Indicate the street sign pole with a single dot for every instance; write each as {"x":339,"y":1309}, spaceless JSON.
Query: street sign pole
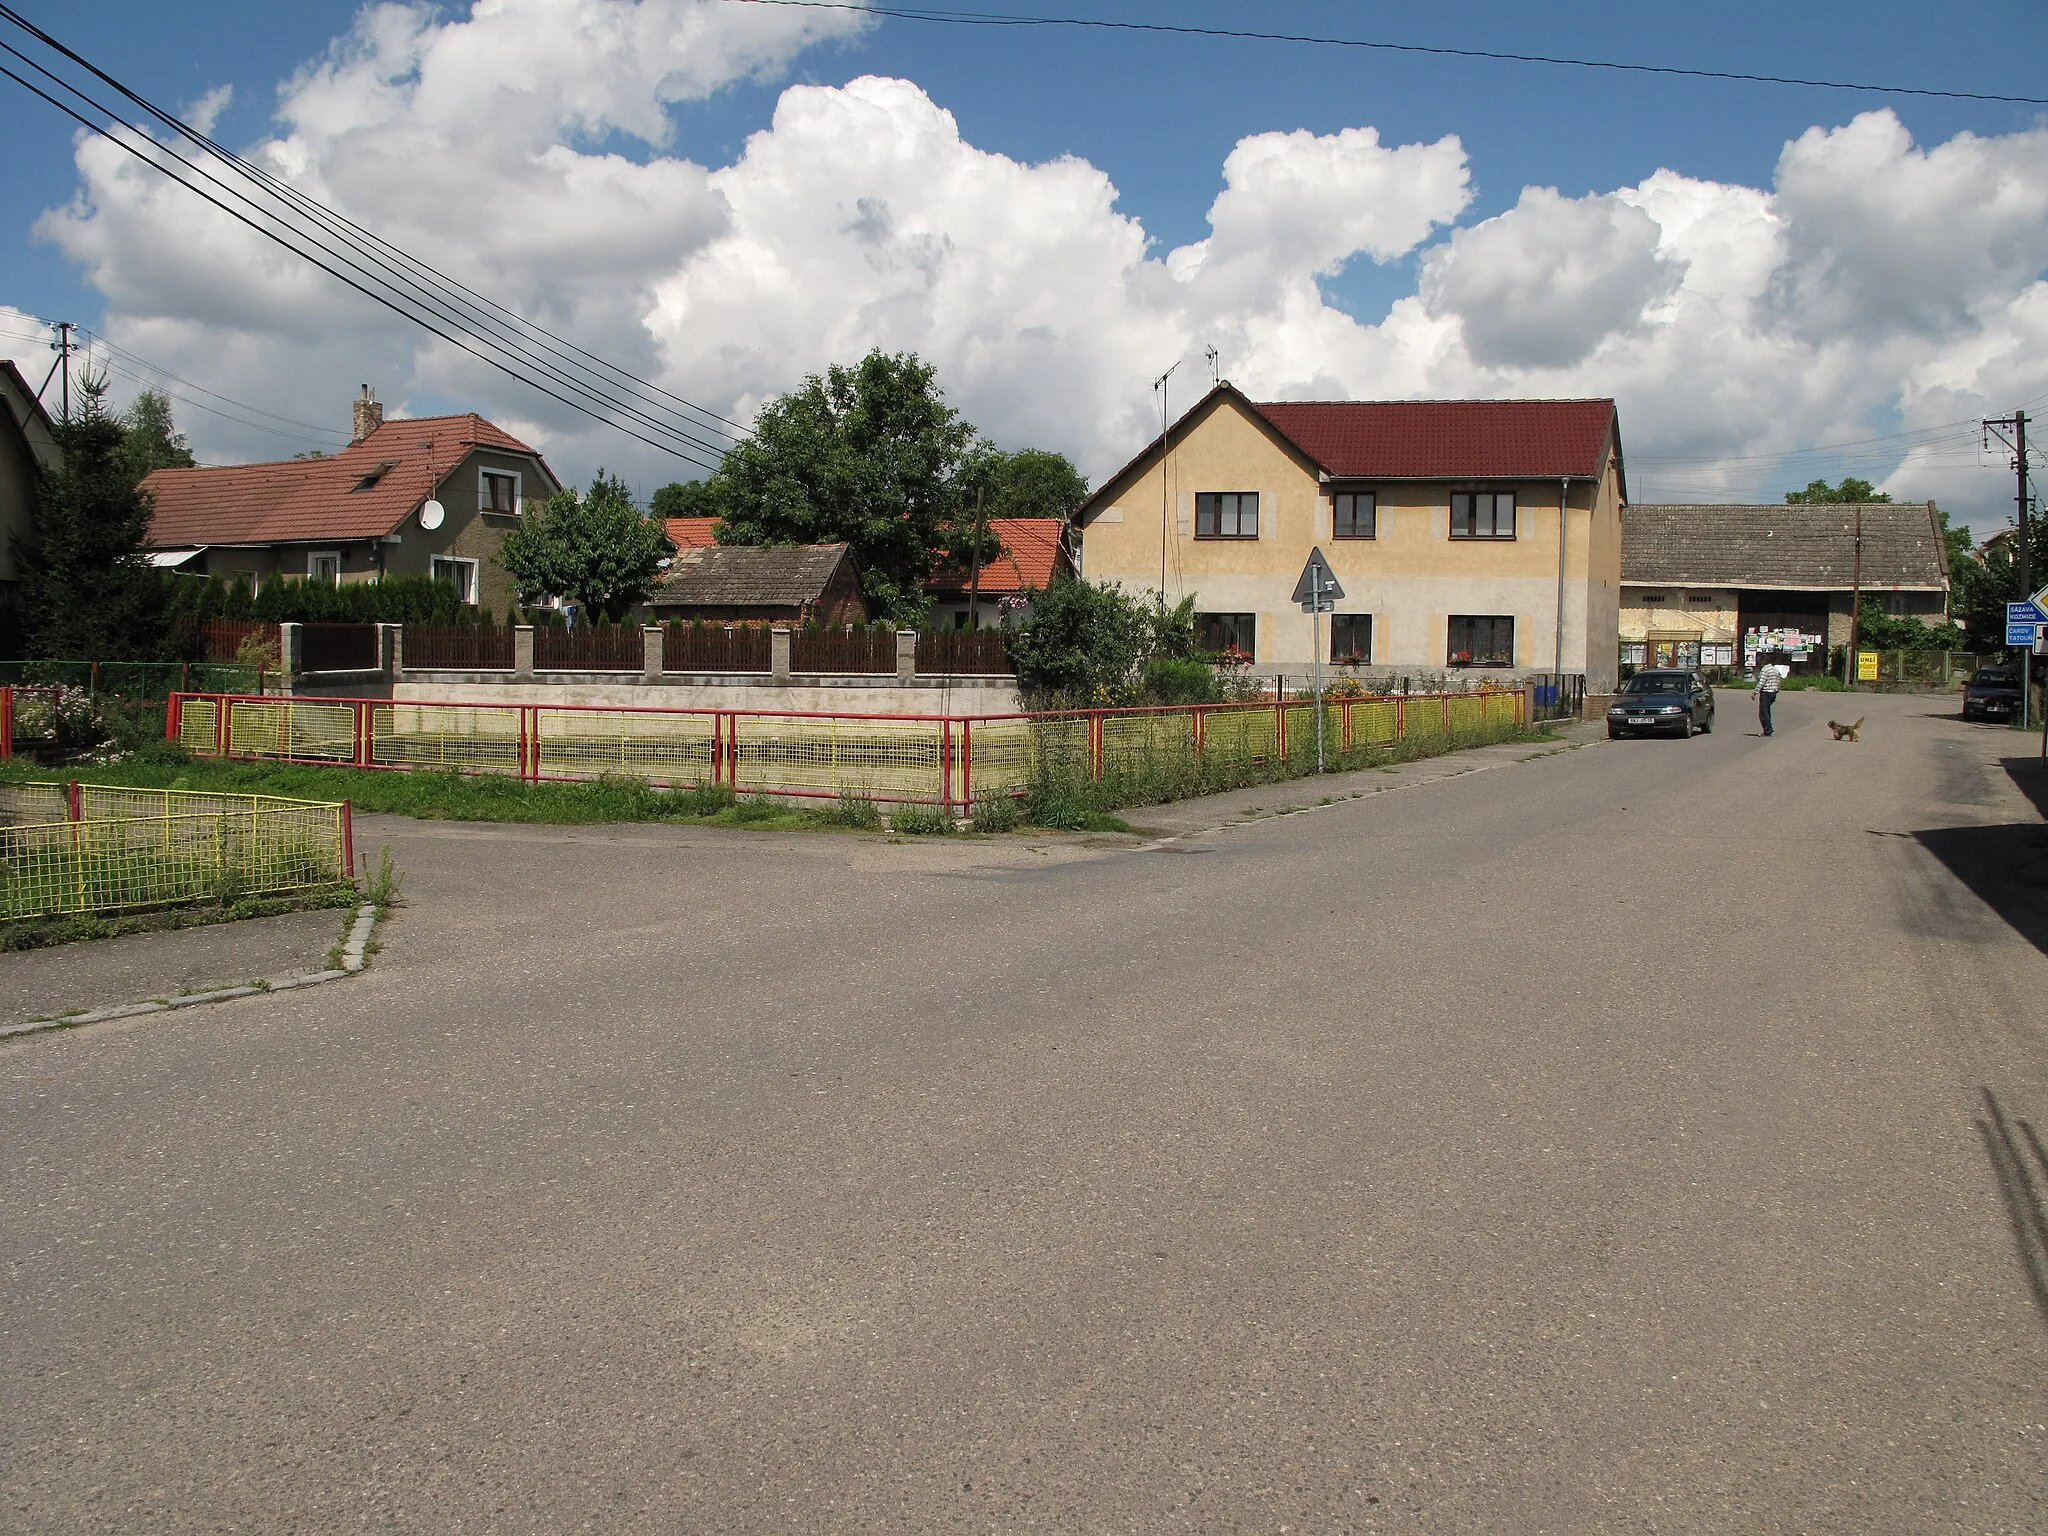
{"x":1315,"y":641}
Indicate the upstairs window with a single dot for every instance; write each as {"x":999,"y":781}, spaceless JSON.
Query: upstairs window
{"x":1354,"y":515}
{"x":1227,"y":514}
{"x":1482,"y":514}
{"x":499,"y":493}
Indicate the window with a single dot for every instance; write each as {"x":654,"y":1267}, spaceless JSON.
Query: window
{"x":1895,"y":604}
{"x":1654,"y":597}
{"x":1482,"y":514}
{"x":459,"y":574}
{"x":1351,"y":639}
{"x":1481,"y":640}
{"x":1229,"y":632}
{"x":499,"y":492}
{"x":324,"y":565}
{"x":369,"y":480}
{"x":1354,"y":515}
{"x":1227,"y":515}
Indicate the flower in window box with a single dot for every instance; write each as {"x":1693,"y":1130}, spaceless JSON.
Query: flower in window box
{"x":1351,"y":659}
{"x":1461,"y":658}
{"x":1231,"y":658}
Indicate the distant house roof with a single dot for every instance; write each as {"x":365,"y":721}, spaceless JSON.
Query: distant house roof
{"x":1415,"y":439}
{"x":750,"y":576}
{"x":1032,"y":554}
{"x":1774,"y":546}
{"x":363,"y":492}
{"x":691,"y":532}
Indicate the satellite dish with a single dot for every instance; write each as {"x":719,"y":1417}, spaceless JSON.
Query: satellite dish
{"x":432,"y":515}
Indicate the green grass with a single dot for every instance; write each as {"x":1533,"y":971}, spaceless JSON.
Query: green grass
{"x":40,"y":933}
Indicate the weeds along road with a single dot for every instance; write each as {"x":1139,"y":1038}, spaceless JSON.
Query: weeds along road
{"x":1640,"y":1137}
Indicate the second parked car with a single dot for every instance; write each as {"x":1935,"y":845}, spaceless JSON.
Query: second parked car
{"x":1661,"y":703}
{"x":1993,"y":693}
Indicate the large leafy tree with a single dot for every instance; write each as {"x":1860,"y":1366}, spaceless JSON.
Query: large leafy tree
{"x":1818,"y":492}
{"x":1087,"y":643}
{"x":1032,"y":482}
{"x":87,"y":590}
{"x":595,"y":550}
{"x":150,"y":438}
{"x":866,"y":456}
{"x":686,"y":498}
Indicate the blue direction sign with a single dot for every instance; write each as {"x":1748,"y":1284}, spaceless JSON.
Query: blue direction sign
{"x":2025,"y":613}
{"x":2021,"y":634}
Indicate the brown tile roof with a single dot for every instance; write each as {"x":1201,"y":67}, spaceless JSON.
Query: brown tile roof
{"x":1448,"y":439}
{"x":313,"y":499}
{"x":750,"y":576}
{"x":1031,"y":555}
{"x":1774,"y":546}
{"x":1415,"y":439}
{"x":691,"y":532}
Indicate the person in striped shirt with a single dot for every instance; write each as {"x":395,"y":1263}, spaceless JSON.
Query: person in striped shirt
{"x":1770,"y":676}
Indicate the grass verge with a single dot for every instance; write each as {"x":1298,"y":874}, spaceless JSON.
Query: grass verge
{"x":41,"y":932}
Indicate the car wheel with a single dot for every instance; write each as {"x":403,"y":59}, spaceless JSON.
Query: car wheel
{"x":1706,"y":725}
{"x":1685,"y":729}
{"x":1614,"y":733}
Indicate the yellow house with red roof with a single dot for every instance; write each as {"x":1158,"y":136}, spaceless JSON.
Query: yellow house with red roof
{"x":421,"y":496}
{"x":1474,"y":536}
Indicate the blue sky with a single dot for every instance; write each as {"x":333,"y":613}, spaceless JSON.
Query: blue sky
{"x":1160,"y":115}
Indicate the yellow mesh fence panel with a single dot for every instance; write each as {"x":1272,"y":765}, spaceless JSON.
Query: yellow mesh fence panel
{"x":1374,"y":723}
{"x":670,"y":749}
{"x":199,"y":727}
{"x":75,"y":867}
{"x":1248,"y":734}
{"x":441,"y":736}
{"x":885,"y":758}
{"x":292,"y":728}
{"x":1133,"y":738}
{"x":26,"y":804}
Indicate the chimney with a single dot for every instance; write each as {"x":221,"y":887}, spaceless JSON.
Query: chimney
{"x":369,"y":414}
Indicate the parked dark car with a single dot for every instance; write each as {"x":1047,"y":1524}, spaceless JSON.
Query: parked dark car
{"x":1661,"y":703}
{"x":1992,"y":693}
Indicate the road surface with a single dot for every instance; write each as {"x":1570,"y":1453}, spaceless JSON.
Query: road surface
{"x":1640,"y":1137}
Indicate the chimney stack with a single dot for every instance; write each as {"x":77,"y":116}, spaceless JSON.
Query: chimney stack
{"x":369,"y":414}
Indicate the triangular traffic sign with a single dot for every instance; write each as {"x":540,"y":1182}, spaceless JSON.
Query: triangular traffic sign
{"x":1317,"y":579}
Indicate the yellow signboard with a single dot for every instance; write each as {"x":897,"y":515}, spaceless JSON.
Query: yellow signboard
{"x":1866,"y":666}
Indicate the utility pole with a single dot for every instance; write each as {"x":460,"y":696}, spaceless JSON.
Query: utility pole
{"x":63,"y":346}
{"x":974,"y":574}
{"x":2017,"y":422}
{"x":1165,"y":496}
{"x":1855,"y":599}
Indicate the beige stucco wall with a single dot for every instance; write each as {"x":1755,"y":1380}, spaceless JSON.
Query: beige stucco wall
{"x":1712,"y":614}
{"x":1411,"y":577}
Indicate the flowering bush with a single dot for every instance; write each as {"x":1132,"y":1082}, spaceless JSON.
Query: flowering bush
{"x":62,"y":715}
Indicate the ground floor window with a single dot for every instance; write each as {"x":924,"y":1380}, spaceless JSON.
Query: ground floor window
{"x":324,"y":565}
{"x":1351,"y":639}
{"x":458,"y":573}
{"x":1481,"y":640}
{"x":1237,"y":632}
{"x":1712,"y":655}
{"x":1632,"y":652}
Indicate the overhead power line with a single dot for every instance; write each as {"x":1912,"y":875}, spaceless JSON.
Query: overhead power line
{"x":382,"y":272}
{"x":1179,"y":29}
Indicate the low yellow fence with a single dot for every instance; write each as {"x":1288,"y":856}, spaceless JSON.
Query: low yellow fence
{"x":77,"y":849}
{"x":941,"y":759}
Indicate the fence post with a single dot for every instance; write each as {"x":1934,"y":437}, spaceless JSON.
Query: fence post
{"x":363,"y":727}
{"x":732,"y":748}
{"x":391,"y":650}
{"x":1348,"y":703}
{"x":650,"y":653}
{"x":522,"y":650}
{"x":967,"y":763}
{"x":348,"y":841}
{"x":291,"y":647}
{"x":74,"y":802}
{"x":946,"y":764}
{"x":174,"y":719}
{"x":906,"y":656}
{"x":1280,"y":720}
{"x":6,"y":722}
{"x":1525,"y":702}
{"x":1201,"y":728}
{"x":778,"y":655}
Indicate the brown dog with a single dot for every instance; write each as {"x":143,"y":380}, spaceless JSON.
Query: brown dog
{"x":1848,"y":731}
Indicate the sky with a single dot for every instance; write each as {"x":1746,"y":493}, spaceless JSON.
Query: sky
{"x":1774,"y":282}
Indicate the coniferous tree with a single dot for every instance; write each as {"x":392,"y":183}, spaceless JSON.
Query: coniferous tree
{"x":88,"y":592}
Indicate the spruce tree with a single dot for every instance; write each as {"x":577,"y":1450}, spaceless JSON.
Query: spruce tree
{"x":88,"y":592}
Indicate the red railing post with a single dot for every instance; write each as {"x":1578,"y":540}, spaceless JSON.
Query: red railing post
{"x":174,"y":717}
{"x":1280,"y":720}
{"x":348,"y":840}
{"x":1446,"y":701}
{"x":1347,"y":723}
{"x":6,"y":722}
{"x":532,"y":713}
{"x":732,"y":750}
{"x":946,"y":762}
{"x":362,"y":735}
{"x":1201,"y":730}
{"x":1095,"y":744}
{"x":967,"y":762}
{"x":221,"y":735}
{"x":74,"y":802}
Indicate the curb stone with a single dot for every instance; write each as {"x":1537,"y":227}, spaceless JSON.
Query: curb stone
{"x":353,"y":959}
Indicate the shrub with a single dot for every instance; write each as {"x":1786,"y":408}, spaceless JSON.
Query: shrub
{"x":855,"y":811}
{"x":1180,"y":680}
{"x":920,"y":821}
{"x":756,"y":808}
{"x":994,"y":811}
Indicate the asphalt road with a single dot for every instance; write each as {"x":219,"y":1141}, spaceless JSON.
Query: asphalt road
{"x":1641,"y":1137}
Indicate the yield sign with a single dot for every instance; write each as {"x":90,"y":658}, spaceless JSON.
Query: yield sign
{"x":1318,"y":582}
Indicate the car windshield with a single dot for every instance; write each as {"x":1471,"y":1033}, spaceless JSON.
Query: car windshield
{"x":1996,"y":677}
{"x":1658,"y":682}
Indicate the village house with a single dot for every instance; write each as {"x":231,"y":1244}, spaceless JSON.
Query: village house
{"x":28,"y":445}
{"x":1482,"y":536}
{"x":1716,"y":585}
{"x":766,"y":584}
{"x":424,"y":496}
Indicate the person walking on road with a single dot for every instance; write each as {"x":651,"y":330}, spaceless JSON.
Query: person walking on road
{"x":1770,"y":676}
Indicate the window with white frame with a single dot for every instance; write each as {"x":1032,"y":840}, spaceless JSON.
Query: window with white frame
{"x":324,"y":565}
{"x":1482,"y":514}
{"x":459,"y":573}
{"x":1226,"y":514}
{"x":498,"y":492}
{"x":1354,"y":515}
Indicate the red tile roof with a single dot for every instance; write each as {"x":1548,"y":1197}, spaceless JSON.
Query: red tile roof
{"x":691,"y":532}
{"x":315,"y":499}
{"x":1444,"y":439}
{"x":1031,"y":554}
{"x":1415,"y":439}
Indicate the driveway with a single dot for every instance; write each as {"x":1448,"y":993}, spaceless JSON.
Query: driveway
{"x":1643,"y":1136}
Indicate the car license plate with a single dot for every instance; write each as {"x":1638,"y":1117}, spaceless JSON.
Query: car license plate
{"x":1642,"y":719}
